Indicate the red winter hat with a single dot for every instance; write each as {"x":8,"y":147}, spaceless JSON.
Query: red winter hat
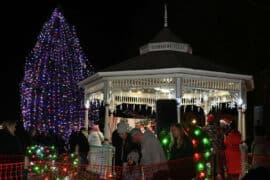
{"x":210,"y":118}
{"x":225,"y":120}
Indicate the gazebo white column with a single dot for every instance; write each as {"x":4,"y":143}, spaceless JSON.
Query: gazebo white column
{"x":244,"y":96}
{"x":242,"y":127}
{"x":178,"y":94}
{"x":239,"y":109}
{"x":239,"y":123}
{"x":241,"y":106}
{"x":86,"y":120}
{"x":107,"y":104}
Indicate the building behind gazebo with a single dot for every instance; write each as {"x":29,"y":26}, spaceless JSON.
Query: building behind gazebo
{"x":166,"y":69}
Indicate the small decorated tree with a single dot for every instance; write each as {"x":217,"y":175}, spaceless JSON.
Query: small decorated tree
{"x":45,"y":162}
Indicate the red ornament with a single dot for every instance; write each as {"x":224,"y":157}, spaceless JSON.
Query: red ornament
{"x":197,"y":156}
{"x":47,"y":151}
{"x":202,"y":175}
{"x":195,"y":142}
{"x":64,"y":170}
{"x":109,"y":176}
{"x":210,"y":118}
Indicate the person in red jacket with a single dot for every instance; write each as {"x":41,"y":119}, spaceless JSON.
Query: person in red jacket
{"x":232,"y":152}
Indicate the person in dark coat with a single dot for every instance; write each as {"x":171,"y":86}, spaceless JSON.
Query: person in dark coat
{"x":127,"y":145}
{"x":181,"y":146}
{"x":181,"y":152}
{"x":23,"y":136}
{"x":60,"y":144}
{"x":116,"y":142}
{"x":128,"y":152}
{"x":82,"y":146}
{"x":72,"y":141}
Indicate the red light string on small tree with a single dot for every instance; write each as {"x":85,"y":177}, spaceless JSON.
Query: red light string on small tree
{"x":202,"y":152}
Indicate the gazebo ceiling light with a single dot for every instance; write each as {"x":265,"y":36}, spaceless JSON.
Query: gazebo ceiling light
{"x":164,"y":90}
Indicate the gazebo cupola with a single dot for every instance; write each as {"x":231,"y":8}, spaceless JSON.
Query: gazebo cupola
{"x":166,"y":40}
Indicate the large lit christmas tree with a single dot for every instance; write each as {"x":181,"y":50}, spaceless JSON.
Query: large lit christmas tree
{"x":50,"y":97}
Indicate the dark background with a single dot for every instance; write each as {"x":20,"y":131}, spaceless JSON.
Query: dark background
{"x":235,"y":33}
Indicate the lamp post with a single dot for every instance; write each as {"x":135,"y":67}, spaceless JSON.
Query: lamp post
{"x":86,"y":120}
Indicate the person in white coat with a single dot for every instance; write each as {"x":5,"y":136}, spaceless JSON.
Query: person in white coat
{"x":95,"y":137}
{"x":95,"y":140}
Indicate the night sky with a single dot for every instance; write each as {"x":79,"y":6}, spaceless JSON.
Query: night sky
{"x":235,"y":33}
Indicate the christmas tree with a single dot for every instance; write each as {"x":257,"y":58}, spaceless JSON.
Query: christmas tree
{"x":50,"y":97}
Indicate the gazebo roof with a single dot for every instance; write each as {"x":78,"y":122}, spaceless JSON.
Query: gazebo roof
{"x":167,"y":59}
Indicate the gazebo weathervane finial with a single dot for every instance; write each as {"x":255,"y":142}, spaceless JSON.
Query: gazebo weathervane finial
{"x":165,"y":16}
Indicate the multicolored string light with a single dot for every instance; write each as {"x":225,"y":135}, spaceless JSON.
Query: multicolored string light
{"x":202,"y":152}
{"x":45,"y":160}
{"x":38,"y":156}
{"x":165,"y":140}
{"x":50,"y":96}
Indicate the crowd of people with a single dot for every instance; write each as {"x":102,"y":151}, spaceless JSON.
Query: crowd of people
{"x":226,"y":142}
{"x":134,"y":147}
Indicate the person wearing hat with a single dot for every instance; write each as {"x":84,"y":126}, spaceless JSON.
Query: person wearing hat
{"x":151,"y":149}
{"x":232,"y":152}
{"x":129,"y":153}
{"x":225,"y":125}
{"x":151,"y":153}
{"x":127,"y":146}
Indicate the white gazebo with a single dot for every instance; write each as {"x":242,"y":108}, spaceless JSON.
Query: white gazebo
{"x":166,"y":69}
